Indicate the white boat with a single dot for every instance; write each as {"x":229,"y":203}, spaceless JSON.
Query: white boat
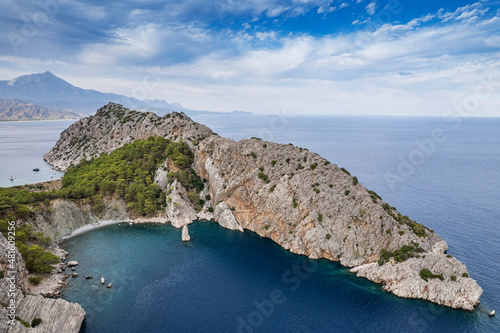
{"x":11,"y":178}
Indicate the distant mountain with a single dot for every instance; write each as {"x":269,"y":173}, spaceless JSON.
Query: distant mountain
{"x":14,"y":109}
{"x":50,"y":91}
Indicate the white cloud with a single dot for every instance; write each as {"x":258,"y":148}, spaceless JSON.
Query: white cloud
{"x":371,"y":7}
{"x":257,"y":70}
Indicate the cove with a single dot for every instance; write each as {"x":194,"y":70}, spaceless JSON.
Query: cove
{"x":228,"y":281}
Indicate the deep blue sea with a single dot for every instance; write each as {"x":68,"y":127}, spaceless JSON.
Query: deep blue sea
{"x":442,"y":174}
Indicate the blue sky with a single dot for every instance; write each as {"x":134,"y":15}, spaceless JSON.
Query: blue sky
{"x":395,"y":57}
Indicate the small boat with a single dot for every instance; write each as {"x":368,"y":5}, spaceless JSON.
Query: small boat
{"x":36,"y":169}
{"x":11,"y":178}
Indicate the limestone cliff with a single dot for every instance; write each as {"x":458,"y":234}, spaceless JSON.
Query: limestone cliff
{"x":57,"y":315}
{"x":295,"y":197}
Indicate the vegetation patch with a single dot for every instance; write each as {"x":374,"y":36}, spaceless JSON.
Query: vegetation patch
{"x":417,"y":228}
{"x":35,"y":280}
{"x":426,"y":274}
{"x":345,"y":171}
{"x":24,"y":322}
{"x":405,"y":252}
{"x":374,"y":196}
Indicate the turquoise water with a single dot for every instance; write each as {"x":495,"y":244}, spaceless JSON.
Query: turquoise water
{"x":164,"y":285}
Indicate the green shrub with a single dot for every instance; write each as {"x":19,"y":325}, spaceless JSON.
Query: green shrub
{"x":35,"y":280}
{"x":320,"y":217}
{"x":453,"y":278}
{"x":465,"y":275}
{"x":264,"y":177}
{"x":273,"y":162}
{"x":313,"y":166}
{"x":24,"y":322}
{"x":328,"y":236}
{"x":287,"y":160}
{"x":211,"y":209}
{"x":405,"y":252}
{"x":195,"y":200}
{"x":354,"y":180}
{"x":401,"y":232}
{"x":39,"y":261}
{"x":347,"y":172}
{"x":388,"y":231}
{"x":253,"y":155}
{"x":426,"y":274}
{"x":266,"y":227}
{"x":2,"y":274}
{"x":272,"y":188}
{"x":36,"y":321}
{"x":347,"y":192}
{"x":295,"y":205}
{"x":264,"y":145}
{"x":362,"y":212}
{"x":449,"y":256}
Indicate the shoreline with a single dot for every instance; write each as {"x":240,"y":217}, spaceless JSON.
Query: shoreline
{"x":105,"y":223}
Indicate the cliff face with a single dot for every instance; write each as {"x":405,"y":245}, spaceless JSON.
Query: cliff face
{"x":57,"y":315}
{"x":295,"y":197}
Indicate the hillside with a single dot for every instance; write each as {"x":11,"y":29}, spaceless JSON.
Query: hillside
{"x":14,"y":109}
{"x":295,"y":197}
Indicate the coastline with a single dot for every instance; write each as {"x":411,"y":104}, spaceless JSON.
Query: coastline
{"x":105,"y":223}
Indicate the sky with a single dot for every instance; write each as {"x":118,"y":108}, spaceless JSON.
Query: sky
{"x":350,"y":57}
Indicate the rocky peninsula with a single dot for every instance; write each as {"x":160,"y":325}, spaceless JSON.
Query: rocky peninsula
{"x":295,"y":197}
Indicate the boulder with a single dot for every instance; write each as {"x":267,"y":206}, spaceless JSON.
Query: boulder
{"x":109,"y":285}
{"x":74,"y":275}
{"x":102,"y":280}
{"x":492,"y":313}
{"x":73,"y":263}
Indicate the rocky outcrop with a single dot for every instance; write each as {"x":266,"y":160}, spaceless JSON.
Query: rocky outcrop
{"x":57,"y":315}
{"x":288,"y":194}
{"x":185,"y":234}
{"x":112,"y":127}
{"x":456,"y":290}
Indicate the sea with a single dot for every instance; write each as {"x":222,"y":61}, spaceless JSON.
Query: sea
{"x":443,"y":173}
{"x":22,"y":146}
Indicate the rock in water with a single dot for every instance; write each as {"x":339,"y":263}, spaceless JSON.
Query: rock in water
{"x":74,"y":274}
{"x":73,"y":269}
{"x":102,"y":280}
{"x":109,"y":285}
{"x":492,"y":313}
{"x":73,"y":263}
{"x":89,"y":277}
{"x":185,"y":234}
